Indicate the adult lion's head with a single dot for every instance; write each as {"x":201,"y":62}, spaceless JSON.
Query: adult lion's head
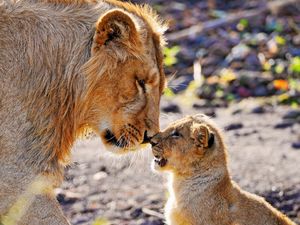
{"x":125,"y":76}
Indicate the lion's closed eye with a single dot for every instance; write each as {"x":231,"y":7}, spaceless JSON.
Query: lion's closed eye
{"x":141,"y":83}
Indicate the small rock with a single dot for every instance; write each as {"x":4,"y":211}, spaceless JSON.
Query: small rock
{"x":209,"y":70}
{"x":284,"y":124}
{"x":234,"y":126}
{"x":200,"y":104}
{"x":260,"y":91}
{"x":296,"y":39}
{"x":252,"y":62}
{"x":210,"y":112}
{"x":206,"y":92}
{"x":272,"y":46}
{"x":171,"y":108}
{"x":78,"y":207}
{"x":99,"y":175}
{"x":123,"y":206}
{"x":67,"y":197}
{"x":261,"y":38}
{"x":239,"y":52}
{"x":258,"y":110}
{"x":292,"y":114}
{"x":287,"y":206}
{"x":82,"y":219}
{"x":294,"y":51}
{"x":236,"y":65}
{"x":209,"y":61}
{"x":243,"y":92}
{"x":153,"y":222}
{"x":220,"y":49}
{"x":296,"y":145}
{"x":237,"y":111}
{"x":136,"y":213}
{"x":79,"y":180}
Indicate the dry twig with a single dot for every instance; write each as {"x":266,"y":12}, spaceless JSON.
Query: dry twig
{"x":273,"y":7}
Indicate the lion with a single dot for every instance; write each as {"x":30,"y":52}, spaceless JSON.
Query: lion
{"x":67,"y":67}
{"x":201,"y":190}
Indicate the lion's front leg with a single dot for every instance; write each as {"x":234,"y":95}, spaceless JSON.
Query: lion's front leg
{"x":45,"y":210}
{"x":35,"y":205}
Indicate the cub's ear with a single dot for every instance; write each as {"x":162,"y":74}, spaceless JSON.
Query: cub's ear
{"x":116,"y":27}
{"x":202,"y":136}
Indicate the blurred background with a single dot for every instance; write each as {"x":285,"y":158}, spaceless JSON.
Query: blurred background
{"x":236,"y":61}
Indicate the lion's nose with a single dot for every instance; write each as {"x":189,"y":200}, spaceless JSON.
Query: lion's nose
{"x":146,"y":138}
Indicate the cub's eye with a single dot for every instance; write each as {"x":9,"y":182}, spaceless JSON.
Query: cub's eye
{"x":175,"y":134}
{"x":142,"y":84}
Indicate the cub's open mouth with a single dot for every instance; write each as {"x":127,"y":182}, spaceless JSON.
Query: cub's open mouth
{"x":160,"y":161}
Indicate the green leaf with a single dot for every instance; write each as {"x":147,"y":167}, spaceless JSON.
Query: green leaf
{"x":242,"y":25}
{"x":278,"y":27}
{"x":193,"y":85}
{"x":295,"y":65}
{"x":169,"y":61}
{"x":230,"y":97}
{"x":101,"y":221}
{"x":267,"y":66}
{"x":279,"y":68}
{"x":294,"y":105}
{"x":294,"y":84}
{"x":283,"y":97}
{"x":219,"y":93}
{"x":244,"y":22}
{"x":170,"y":55}
{"x":280,"y":40}
{"x":168,"y":92}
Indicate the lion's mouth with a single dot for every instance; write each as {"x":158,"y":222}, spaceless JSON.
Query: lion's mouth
{"x":160,"y":161}
{"x":111,"y":139}
{"x":122,"y":142}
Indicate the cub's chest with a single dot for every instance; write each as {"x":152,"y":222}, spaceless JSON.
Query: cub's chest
{"x":176,"y":216}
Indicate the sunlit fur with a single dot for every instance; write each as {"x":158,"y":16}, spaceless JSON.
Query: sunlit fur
{"x":67,"y":67}
{"x":201,"y":191}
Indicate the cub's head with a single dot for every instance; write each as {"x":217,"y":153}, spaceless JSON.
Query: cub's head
{"x":125,"y":77}
{"x":188,"y":145}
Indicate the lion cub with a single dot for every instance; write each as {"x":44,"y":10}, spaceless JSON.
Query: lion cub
{"x":201,"y":190}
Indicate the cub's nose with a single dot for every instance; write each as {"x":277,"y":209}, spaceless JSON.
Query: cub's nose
{"x":154,"y":140}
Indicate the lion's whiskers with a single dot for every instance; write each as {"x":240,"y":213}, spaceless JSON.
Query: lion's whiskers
{"x":164,"y":115}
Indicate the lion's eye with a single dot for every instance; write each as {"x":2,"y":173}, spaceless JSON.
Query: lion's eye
{"x":142,"y":84}
{"x":175,"y":134}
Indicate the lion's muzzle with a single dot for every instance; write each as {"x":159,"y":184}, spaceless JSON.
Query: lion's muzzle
{"x":111,"y":139}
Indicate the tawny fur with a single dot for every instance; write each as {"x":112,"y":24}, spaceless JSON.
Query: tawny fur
{"x":67,"y":66}
{"x":201,"y":191}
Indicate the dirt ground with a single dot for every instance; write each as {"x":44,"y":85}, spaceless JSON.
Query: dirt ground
{"x":264,"y":159}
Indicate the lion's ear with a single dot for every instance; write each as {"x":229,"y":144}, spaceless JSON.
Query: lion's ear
{"x":116,"y":27}
{"x":202,"y":136}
